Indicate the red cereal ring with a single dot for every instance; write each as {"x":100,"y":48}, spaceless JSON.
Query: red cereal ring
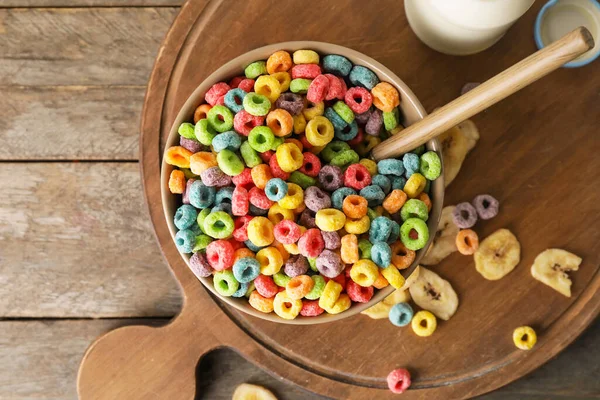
{"x":265,"y":286}
{"x":243,"y":122}
{"x":240,"y":231}
{"x":287,"y":232}
{"x":235,"y":244}
{"x":219,"y":254}
{"x":215,"y":92}
{"x":276,"y":170}
{"x":305,"y":142}
{"x":341,"y":279}
{"x":310,"y":308}
{"x":235,"y":81}
{"x":337,"y":88}
{"x":240,"y":201}
{"x":266,"y":155}
{"x":244,"y":179}
{"x":318,"y":89}
{"x":306,"y":71}
{"x":311,"y":243}
{"x":357,"y":177}
{"x":398,"y":380}
{"x":247,"y":85}
{"x":259,"y":199}
{"x":358,"y":293}
{"x":358,"y":138}
{"x":311,"y":165}
{"x":358,"y":99}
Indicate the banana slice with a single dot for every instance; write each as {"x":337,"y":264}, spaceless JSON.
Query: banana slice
{"x":456,"y":144}
{"x":411,"y":279}
{"x":497,"y":255}
{"x":551,"y":266}
{"x":444,"y":242}
{"x":433,"y":293}
{"x":246,"y":391}
{"x":382,"y":309}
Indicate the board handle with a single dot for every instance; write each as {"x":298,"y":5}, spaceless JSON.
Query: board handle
{"x":532,"y":68}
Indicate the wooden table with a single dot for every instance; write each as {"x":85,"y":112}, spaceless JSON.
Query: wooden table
{"x":77,"y":253}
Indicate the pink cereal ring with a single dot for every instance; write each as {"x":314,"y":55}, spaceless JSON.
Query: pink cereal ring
{"x":358,"y":138}
{"x":219,"y":254}
{"x":398,"y":380}
{"x":311,"y":165}
{"x":318,"y":89}
{"x":244,"y":122}
{"x":247,"y":85}
{"x":358,"y":99}
{"x":358,"y":293}
{"x":215,"y":92}
{"x":259,"y":199}
{"x":311,"y":243}
{"x":357,"y":177}
{"x":235,"y":81}
{"x":337,"y":88}
{"x":276,"y":170}
{"x":287,"y":232}
{"x":240,"y":201}
{"x":244,"y":179}
{"x":265,"y":286}
{"x":240,"y":231}
{"x":310,"y":308}
{"x":306,"y":71}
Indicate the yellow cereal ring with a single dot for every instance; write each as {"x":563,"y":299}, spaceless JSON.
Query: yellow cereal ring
{"x":202,"y":161}
{"x":268,"y":86}
{"x":284,"y":253}
{"x":299,"y":124}
{"x":316,"y":149}
{"x":364,"y":272}
{"x":424,"y":323}
{"x":177,"y":182}
{"x":277,"y":214}
{"x":330,"y":219}
{"x":286,"y":307}
{"x":349,"y":249}
{"x":358,"y":226}
{"x":293,"y":198}
{"x":524,"y":337}
{"x":393,"y":276}
{"x":330,"y":294}
{"x":296,"y":142}
{"x":305,"y":57}
{"x":342,"y":304}
{"x":178,"y":156}
{"x":292,"y":248}
{"x":260,"y":303}
{"x":289,"y":157}
{"x":368,"y":143}
{"x":370,"y":165}
{"x":415,"y":185}
{"x":260,"y":231}
{"x":284,"y":80}
{"x":313,"y":110}
{"x":319,"y":131}
{"x":270,"y":260}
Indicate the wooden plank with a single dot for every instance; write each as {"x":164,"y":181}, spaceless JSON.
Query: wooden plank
{"x":81,"y":46}
{"x":90,"y":3}
{"x":70,"y":122}
{"x":76,"y":241}
{"x":44,"y":358}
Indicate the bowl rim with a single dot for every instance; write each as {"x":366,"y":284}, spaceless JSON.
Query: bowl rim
{"x":261,"y":53}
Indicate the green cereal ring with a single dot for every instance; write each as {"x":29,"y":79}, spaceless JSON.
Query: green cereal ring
{"x":344,"y":111}
{"x":281,"y":279}
{"x":318,"y":287}
{"x":218,"y":225}
{"x":229,"y":162}
{"x":372,"y":214}
{"x":300,"y":85}
{"x":345,"y":158}
{"x":256,"y":104}
{"x":251,"y":288}
{"x":256,"y":69}
{"x":201,"y":242}
{"x":205,"y":133}
{"x":419,"y":150}
{"x":189,"y":174}
{"x":391,"y":119}
{"x":364,"y":249}
{"x":225,"y":283}
{"x":220,"y":118}
{"x":186,"y":130}
{"x":250,"y":156}
{"x":277,"y":142}
{"x":302,"y":180}
{"x":201,"y":217}
{"x":431,"y":166}
{"x":312,"y":263}
{"x":420,"y":227}
{"x":427,"y":186}
{"x":414,"y":208}
{"x":332,"y":149}
{"x":261,"y":138}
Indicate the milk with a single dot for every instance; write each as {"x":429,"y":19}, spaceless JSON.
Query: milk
{"x":461,"y":27}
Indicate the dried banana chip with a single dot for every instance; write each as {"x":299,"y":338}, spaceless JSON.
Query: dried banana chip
{"x":246,"y":391}
{"x":382,"y":309}
{"x":435,"y":294}
{"x":444,"y":242}
{"x":456,"y":144}
{"x":497,"y":255}
{"x":551,"y":266}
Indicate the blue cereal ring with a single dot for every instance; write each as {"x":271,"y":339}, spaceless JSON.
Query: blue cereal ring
{"x":337,"y":65}
{"x":201,"y":196}
{"x":335,"y":119}
{"x":381,"y":254}
{"x":337,"y":198}
{"x":227,"y":140}
{"x":224,"y":195}
{"x":234,"y":100}
{"x":222,"y":207}
{"x":363,"y":76}
{"x":401,"y":314}
{"x":380,"y":229}
{"x":347,"y":133}
{"x":246,"y":269}
{"x":185,"y":240}
{"x":390,"y":166}
{"x":383,"y":182}
{"x":398,"y":182}
{"x":411,"y":163}
{"x":185,"y":216}
{"x":276,"y":189}
{"x":252,"y":246}
{"x":374,"y":195}
{"x":241,"y":290}
{"x":256,"y":211}
{"x":394,"y":233}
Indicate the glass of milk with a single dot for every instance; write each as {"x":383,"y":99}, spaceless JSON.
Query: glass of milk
{"x":462,"y":27}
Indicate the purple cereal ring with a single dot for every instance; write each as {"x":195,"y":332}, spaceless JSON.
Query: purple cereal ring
{"x":296,"y":265}
{"x":307,"y":219}
{"x":199,"y":265}
{"x":316,"y":199}
{"x":332,"y":240}
{"x":291,"y":102}
{"x":464,"y":215}
{"x":192,"y":145}
{"x":331,"y":177}
{"x":329,"y":264}
{"x":215,"y":177}
{"x":363,"y":118}
{"x":374,"y":123}
{"x":486,"y":206}
{"x":186,"y":197}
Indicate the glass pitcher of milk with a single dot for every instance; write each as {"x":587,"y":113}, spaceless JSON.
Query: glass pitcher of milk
{"x":461,"y":27}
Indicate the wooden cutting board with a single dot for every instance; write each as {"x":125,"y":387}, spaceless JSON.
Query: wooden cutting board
{"x":537,"y":154}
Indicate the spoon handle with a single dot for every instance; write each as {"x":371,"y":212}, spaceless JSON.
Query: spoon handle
{"x":488,"y":93}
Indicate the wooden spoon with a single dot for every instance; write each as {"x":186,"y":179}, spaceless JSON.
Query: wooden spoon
{"x":537,"y":65}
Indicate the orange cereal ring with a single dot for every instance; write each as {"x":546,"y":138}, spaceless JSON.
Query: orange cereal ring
{"x":467,"y":241}
{"x":241,"y":253}
{"x":178,"y":156}
{"x":296,"y":142}
{"x":280,"y":61}
{"x":299,"y":286}
{"x":261,"y":303}
{"x":355,"y":206}
{"x":380,"y":282}
{"x":394,"y":201}
{"x":201,"y":161}
{"x":201,"y":112}
{"x":281,"y":122}
{"x":385,"y":97}
{"x":402,"y":257}
{"x":424,"y":197}
{"x":177,"y":181}
{"x":349,"y":249}
{"x":261,"y":174}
